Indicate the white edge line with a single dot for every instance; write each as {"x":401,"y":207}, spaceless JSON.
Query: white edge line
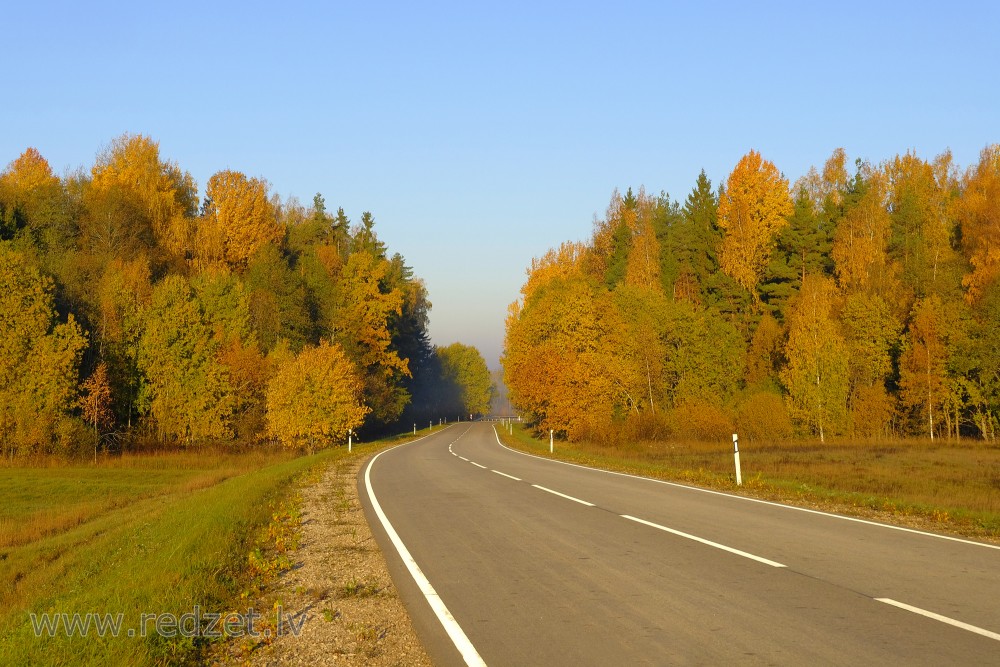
{"x":702,"y":540}
{"x":478,"y":465}
{"x":462,"y":457}
{"x":563,"y":495}
{"x":754,"y":500}
{"x":516,"y":479}
{"x":451,"y":626}
{"x":938,"y":617}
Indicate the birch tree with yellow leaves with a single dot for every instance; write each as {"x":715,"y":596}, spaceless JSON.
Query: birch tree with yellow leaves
{"x":753,"y":208}
{"x":861,"y":239}
{"x":979,"y":216}
{"x":816,"y":376}
{"x":238,"y":219}
{"x":166,"y":195}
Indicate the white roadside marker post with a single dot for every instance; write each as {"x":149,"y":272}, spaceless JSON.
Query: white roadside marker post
{"x":414,"y":429}
{"x":550,"y":440}
{"x":736,"y":457}
{"x":348,"y":441}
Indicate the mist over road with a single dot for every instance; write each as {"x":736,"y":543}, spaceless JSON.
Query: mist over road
{"x":541,"y":562}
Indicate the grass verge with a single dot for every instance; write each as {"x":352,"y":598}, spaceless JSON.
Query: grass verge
{"x":137,"y":541}
{"x":954,"y":487}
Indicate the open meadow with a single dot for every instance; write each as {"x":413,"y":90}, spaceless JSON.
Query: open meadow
{"x":945,"y":486}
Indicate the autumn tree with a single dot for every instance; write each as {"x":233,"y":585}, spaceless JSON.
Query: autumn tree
{"x":642,"y":266}
{"x":752,"y":210}
{"x":861,"y":239}
{"x":314,"y":399}
{"x":33,"y":199}
{"x":123,"y":295}
{"x":463,"y":367}
{"x":637,"y":349}
{"x":556,"y":362}
{"x":871,"y":335}
{"x":238,"y":219}
{"x":95,"y":401}
{"x":979,"y":215}
{"x":279,"y":301}
{"x":95,"y":398}
{"x":765,"y":354}
{"x":131,"y":166}
{"x":225,"y":301}
{"x":187,"y":390}
{"x":923,"y":365}
{"x":816,"y":376}
{"x":923,"y":223}
{"x":361,"y":326}
{"x":39,"y":356}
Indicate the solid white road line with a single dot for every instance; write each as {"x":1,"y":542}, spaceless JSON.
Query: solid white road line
{"x":451,"y":626}
{"x":703,"y":541}
{"x":516,"y":479}
{"x":563,"y":495}
{"x":944,"y":619}
{"x":478,"y":465}
{"x":752,"y":500}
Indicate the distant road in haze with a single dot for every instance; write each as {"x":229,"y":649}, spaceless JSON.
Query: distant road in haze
{"x":543,"y":563}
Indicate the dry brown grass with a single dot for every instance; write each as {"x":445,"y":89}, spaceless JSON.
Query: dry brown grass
{"x":946,"y":485}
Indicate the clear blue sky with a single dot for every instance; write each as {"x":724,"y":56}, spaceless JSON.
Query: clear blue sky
{"x":481,"y":135}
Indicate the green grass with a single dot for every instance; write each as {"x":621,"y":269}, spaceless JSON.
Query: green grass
{"x":951,"y":486}
{"x":150,"y":534}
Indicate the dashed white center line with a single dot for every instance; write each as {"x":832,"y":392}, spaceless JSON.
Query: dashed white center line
{"x":943,"y":619}
{"x":703,"y":541}
{"x":516,"y":479}
{"x":563,"y":495}
{"x":462,"y":457}
{"x":477,"y":465}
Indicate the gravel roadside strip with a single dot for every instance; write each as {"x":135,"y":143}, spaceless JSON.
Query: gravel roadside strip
{"x":339,"y":585}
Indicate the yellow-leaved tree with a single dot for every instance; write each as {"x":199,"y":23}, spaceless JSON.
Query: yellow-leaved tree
{"x":923,"y":364}
{"x":28,"y":173}
{"x":363,"y":312}
{"x":817,"y":372}
{"x":130,"y":170}
{"x":752,"y":210}
{"x":314,"y":400}
{"x":861,"y":238}
{"x":979,"y":215}
{"x":465,"y":373}
{"x":238,"y":219}
{"x":39,"y":357}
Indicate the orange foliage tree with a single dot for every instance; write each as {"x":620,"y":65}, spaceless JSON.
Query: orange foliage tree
{"x":239,"y":219}
{"x":752,"y":210}
{"x":979,"y":215}
{"x":168,"y":196}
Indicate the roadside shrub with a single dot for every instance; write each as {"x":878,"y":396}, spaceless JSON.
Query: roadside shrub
{"x":74,"y":439}
{"x":871,"y":411}
{"x":763,"y":415}
{"x":700,"y":420}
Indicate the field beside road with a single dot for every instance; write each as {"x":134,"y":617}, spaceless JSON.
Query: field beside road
{"x":141,"y":540}
{"x":942,"y":485}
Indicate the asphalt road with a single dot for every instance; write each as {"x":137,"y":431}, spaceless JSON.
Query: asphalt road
{"x":540,"y":562}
